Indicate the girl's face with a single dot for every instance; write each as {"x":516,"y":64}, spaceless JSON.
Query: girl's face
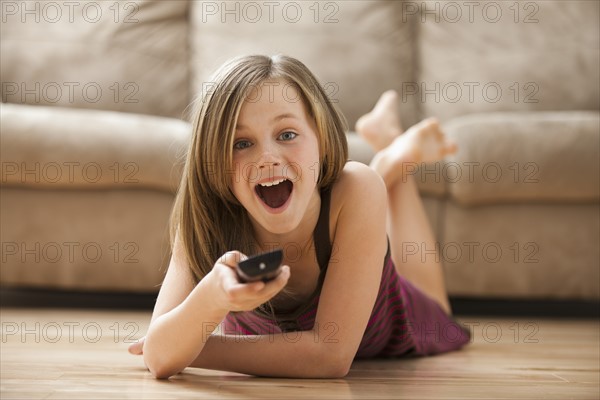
{"x":275,"y":157}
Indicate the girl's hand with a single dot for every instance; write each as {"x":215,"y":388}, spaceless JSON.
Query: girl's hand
{"x":232,"y":295}
{"x":137,"y":348}
{"x":229,"y":293}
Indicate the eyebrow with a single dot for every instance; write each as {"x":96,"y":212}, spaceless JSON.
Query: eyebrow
{"x":277,"y":118}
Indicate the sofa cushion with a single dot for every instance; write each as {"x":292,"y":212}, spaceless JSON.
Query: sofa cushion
{"x":109,"y":240}
{"x":357,"y":49}
{"x":522,"y":251}
{"x":55,"y":147}
{"x":524,"y":157}
{"x":507,"y":56}
{"x":122,"y":56}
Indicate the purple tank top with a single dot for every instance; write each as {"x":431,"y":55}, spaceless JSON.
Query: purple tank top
{"x":404,"y":321}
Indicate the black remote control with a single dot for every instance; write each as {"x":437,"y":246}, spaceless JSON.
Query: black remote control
{"x":261,"y":267}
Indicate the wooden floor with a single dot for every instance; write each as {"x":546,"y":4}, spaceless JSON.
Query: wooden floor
{"x":67,"y":354}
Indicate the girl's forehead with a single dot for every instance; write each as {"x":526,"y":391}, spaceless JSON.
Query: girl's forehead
{"x":270,"y":100}
{"x":272,"y":90}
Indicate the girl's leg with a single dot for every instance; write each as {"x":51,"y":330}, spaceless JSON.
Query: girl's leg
{"x":407,"y":224}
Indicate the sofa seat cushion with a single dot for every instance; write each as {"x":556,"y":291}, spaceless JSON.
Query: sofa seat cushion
{"x":108,"y":240}
{"x":522,"y":251}
{"x":55,"y":147}
{"x":524,"y":157}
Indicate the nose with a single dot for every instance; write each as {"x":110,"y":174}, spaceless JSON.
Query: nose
{"x":269,"y":158}
{"x":268,"y":164}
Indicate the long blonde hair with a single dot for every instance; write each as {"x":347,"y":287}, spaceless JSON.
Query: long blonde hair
{"x":207,"y":218}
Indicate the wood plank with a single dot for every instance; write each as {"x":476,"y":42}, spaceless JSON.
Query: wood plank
{"x":63,"y":353}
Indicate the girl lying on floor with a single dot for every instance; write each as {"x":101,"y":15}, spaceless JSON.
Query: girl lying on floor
{"x":268,"y":168}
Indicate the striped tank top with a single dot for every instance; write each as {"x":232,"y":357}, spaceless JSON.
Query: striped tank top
{"x":404,"y":321}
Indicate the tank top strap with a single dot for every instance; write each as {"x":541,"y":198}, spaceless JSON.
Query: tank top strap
{"x":321,"y":232}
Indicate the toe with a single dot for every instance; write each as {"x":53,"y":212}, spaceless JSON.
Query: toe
{"x":450,"y":147}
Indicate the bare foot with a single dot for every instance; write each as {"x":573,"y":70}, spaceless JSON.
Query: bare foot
{"x":422,"y":143}
{"x":382,"y":125}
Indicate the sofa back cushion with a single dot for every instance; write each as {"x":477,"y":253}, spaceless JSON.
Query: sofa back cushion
{"x":506,"y":56}
{"x":122,"y":56}
{"x":356,"y":49}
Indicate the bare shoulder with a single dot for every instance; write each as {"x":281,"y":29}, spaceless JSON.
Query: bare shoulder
{"x":358,"y":186}
{"x":359,"y":190}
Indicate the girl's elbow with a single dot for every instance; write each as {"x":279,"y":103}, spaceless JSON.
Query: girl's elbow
{"x":160,"y":369}
{"x":337,"y":372}
{"x":159,"y":374}
{"x":334,"y":365}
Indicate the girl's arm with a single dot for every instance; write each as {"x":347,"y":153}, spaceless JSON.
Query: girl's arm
{"x":185,"y":315}
{"x":346,"y":302}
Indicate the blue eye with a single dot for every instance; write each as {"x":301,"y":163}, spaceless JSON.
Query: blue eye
{"x":288,"y":135}
{"x":242,"y":144}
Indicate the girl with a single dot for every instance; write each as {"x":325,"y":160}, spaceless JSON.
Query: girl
{"x":267,"y":168}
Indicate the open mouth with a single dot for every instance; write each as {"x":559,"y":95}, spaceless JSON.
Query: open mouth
{"x":274,"y":194}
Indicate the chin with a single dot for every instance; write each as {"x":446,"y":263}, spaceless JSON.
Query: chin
{"x":278,"y":223}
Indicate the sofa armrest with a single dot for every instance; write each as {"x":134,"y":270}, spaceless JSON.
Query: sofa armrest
{"x":519,"y":157}
{"x":55,"y":147}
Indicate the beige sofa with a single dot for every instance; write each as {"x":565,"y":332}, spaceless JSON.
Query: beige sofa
{"x":95,"y":101}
